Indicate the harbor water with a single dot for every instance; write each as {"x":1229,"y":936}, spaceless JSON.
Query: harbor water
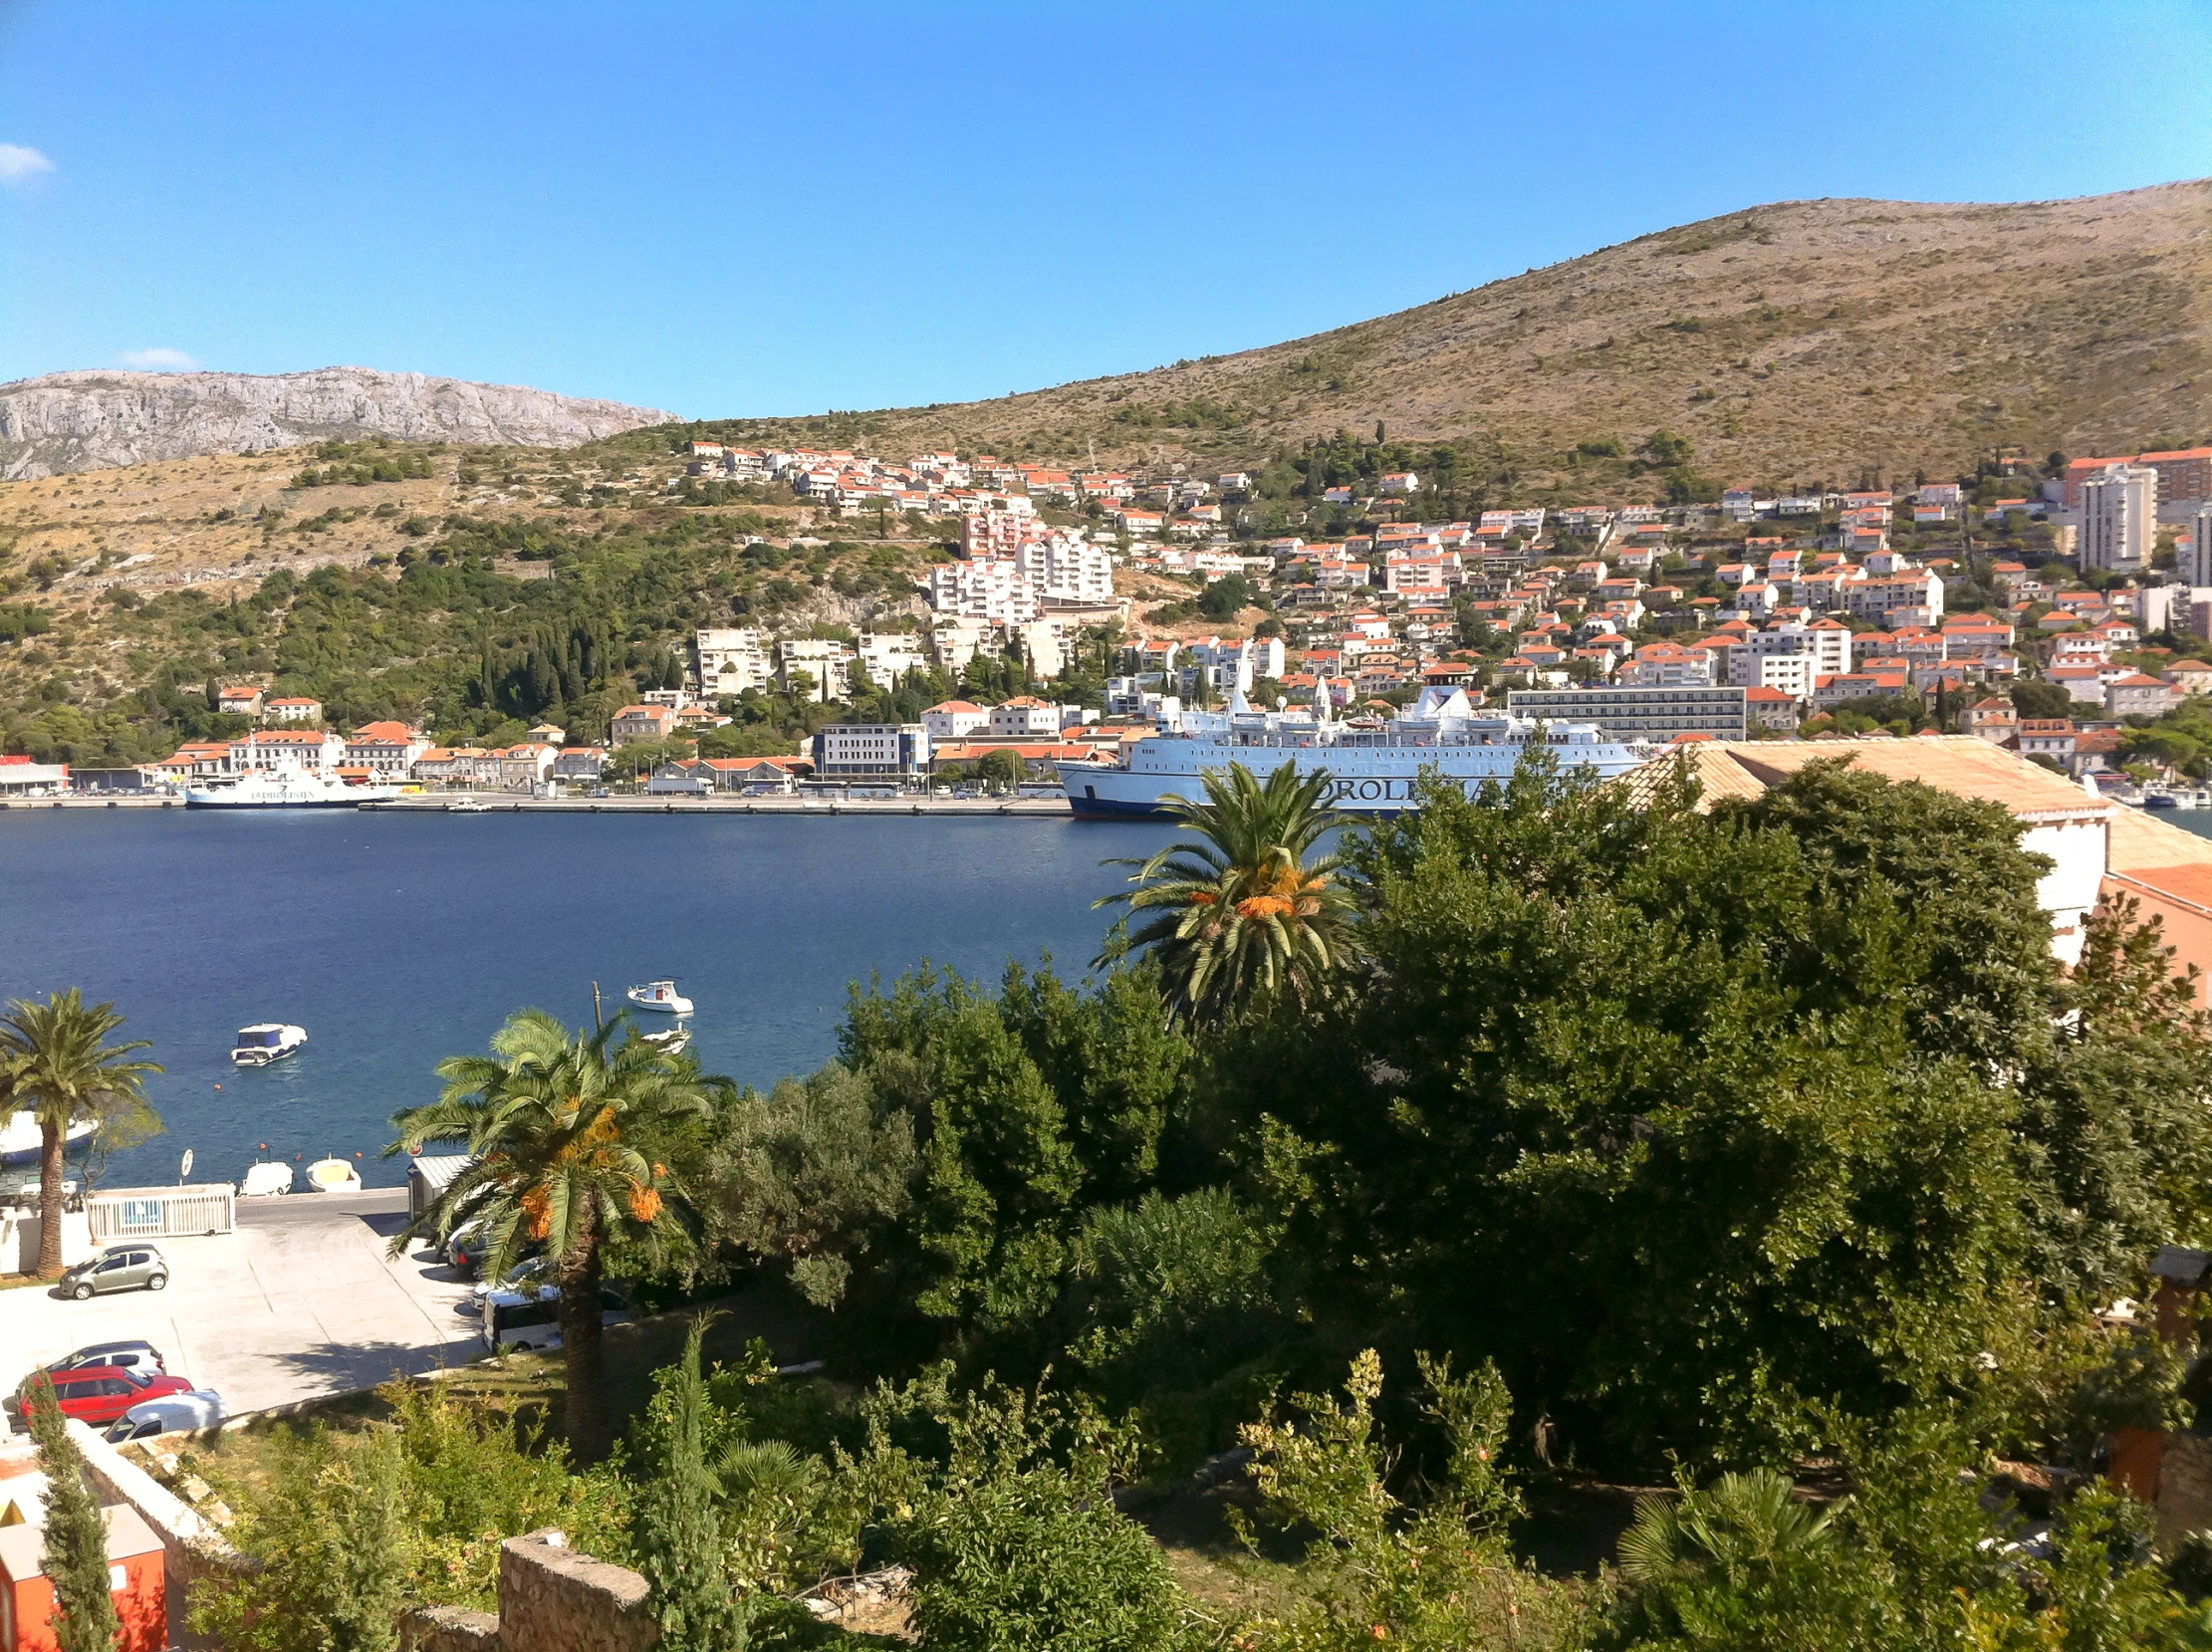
{"x":399,"y":939}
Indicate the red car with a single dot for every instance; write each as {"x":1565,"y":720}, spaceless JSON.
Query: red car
{"x":100,"y":1393}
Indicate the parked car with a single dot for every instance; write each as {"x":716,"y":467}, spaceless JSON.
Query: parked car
{"x":524,"y":1320}
{"x":142,"y":1356}
{"x":125,"y":1266}
{"x":170,"y":1414}
{"x":518,"y":1278}
{"x":97,"y":1393}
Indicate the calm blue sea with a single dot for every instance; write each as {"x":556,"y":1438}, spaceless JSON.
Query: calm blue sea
{"x":399,"y":939}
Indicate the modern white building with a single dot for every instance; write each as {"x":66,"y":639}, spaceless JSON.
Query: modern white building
{"x":1025,"y":717}
{"x":983,"y":587}
{"x":889,"y":655}
{"x":731,"y":661}
{"x":2120,"y":518}
{"x":1826,"y":645}
{"x":1063,"y":568}
{"x":2196,"y":556}
{"x":826,"y":661}
{"x":954,"y":719}
{"x":1237,"y":664}
{"x":870,"y":751}
{"x":1040,"y":641}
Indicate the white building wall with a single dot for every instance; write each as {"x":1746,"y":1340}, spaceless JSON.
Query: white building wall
{"x":2120,"y":518}
{"x":2068,"y":892}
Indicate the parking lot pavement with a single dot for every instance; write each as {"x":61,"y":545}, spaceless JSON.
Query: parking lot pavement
{"x":300,"y":1301}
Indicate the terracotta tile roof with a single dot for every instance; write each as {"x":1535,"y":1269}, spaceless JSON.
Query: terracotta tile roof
{"x":1961,"y":763}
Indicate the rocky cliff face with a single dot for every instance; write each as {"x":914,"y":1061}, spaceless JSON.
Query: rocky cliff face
{"x":68,"y":421}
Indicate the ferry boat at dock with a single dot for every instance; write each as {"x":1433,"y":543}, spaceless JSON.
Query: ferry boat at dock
{"x":285,"y":789}
{"x":1374,"y":767}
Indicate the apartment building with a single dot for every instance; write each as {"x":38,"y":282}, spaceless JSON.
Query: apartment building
{"x":2120,"y":518}
{"x":889,"y":655}
{"x":731,"y":661}
{"x":872,"y":751}
{"x":1649,"y":714}
{"x":992,"y":589}
{"x":826,"y":663}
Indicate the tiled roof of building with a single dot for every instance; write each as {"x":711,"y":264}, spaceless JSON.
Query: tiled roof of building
{"x":1962,"y":765}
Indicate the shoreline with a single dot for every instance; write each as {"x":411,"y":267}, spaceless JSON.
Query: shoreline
{"x":1043,"y":809}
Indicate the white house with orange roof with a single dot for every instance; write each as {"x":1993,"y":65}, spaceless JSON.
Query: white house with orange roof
{"x":1023,"y":717}
{"x":954,"y":719}
{"x":642,"y":722}
{"x":293,"y":708}
{"x":388,"y":750}
{"x":1668,"y":665}
{"x":268,"y":750}
{"x":239,"y":699}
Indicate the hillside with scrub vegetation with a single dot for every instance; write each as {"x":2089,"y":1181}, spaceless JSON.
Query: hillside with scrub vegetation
{"x":1792,"y":342}
{"x":1567,"y":1220}
{"x":469,"y":592}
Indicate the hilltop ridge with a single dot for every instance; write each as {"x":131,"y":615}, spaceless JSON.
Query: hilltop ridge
{"x":1798,"y":339}
{"x":97,"y":420}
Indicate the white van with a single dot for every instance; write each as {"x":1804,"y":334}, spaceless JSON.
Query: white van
{"x":525,"y":1320}
{"x":170,"y":1414}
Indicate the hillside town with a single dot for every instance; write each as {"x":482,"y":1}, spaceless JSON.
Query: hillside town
{"x":2050,"y":610}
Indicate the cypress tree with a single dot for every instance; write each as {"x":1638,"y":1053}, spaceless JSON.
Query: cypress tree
{"x":76,"y":1562}
{"x":679,"y":1527}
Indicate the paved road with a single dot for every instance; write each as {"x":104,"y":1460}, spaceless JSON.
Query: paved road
{"x":301,"y":1301}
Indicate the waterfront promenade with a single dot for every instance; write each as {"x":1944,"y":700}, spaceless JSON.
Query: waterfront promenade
{"x":301,"y":1301}
{"x":490,"y":803}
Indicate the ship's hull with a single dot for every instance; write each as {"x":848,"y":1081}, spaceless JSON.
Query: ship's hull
{"x":22,"y":1141}
{"x":246,"y":795}
{"x":205,"y":800}
{"x":1365,"y":779}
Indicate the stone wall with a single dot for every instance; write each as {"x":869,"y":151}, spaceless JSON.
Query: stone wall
{"x":449,"y":1629}
{"x":551,"y":1599}
{"x":2184,"y":1489}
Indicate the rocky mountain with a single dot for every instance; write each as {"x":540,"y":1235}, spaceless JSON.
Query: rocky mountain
{"x":1802,"y":338}
{"x":70,"y":421}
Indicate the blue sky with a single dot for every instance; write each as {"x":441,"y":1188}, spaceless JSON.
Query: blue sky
{"x":728,"y":209}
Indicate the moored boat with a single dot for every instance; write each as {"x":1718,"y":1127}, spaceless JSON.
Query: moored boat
{"x":674,"y":1042}
{"x":660,"y":997}
{"x":21,"y":1140}
{"x":266,"y":1180}
{"x":285,"y":789}
{"x":333,"y":1175}
{"x":1374,"y":768}
{"x":266,"y":1042}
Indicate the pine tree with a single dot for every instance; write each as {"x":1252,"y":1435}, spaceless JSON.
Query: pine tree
{"x":679,"y":1527}
{"x":75,"y":1534}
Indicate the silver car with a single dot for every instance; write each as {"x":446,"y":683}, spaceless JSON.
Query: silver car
{"x":131,"y":1265}
{"x":170,"y":1414}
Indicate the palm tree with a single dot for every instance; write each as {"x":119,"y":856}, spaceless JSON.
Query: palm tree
{"x":1244,"y":913}
{"x":571,"y":1136}
{"x":55,"y":1058}
{"x":1739,"y":1522}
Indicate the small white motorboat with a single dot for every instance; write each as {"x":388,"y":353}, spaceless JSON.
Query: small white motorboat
{"x":674,"y":1042}
{"x":465,"y":806}
{"x":268,"y":1042}
{"x":266,"y":1180}
{"x":21,"y":1140}
{"x":661,"y":996}
{"x":332,"y":1176}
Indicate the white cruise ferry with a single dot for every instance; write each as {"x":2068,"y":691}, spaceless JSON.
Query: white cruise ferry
{"x":1375,"y":766}
{"x":283,"y":789}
